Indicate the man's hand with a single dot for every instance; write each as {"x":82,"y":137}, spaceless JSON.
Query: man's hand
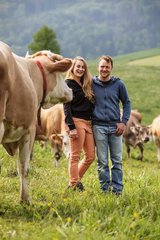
{"x":120,"y":129}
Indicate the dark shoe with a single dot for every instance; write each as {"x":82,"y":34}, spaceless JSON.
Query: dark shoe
{"x":117,"y":193}
{"x":106,"y":192}
{"x":79,"y":186}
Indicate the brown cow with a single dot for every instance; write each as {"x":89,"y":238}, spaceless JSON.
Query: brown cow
{"x":135,"y":134}
{"x":25,"y":83}
{"x":155,"y":132}
{"x":53,"y":129}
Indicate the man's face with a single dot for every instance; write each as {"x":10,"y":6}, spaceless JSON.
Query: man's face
{"x":104,"y":70}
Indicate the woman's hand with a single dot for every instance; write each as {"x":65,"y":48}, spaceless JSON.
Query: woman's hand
{"x":73,"y":133}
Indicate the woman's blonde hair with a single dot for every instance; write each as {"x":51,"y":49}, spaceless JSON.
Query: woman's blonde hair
{"x":87,"y":78}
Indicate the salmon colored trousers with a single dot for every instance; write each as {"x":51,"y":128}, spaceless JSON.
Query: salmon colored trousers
{"x":85,"y":143}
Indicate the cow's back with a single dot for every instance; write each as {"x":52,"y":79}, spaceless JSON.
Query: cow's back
{"x":16,"y":88}
{"x":6,"y":59}
{"x":53,"y":127}
{"x":53,"y":120}
{"x":137,"y":115}
{"x":135,"y":119}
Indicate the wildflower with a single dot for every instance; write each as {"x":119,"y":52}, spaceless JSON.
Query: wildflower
{"x":69,"y":219}
{"x":49,"y":204}
{"x":135,"y":215}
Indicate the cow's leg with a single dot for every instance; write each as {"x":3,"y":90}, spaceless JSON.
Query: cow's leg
{"x":55,"y":162}
{"x":140,"y":157}
{"x":158,"y":153}
{"x":23,"y":164}
{"x":1,"y":136}
{"x":32,"y":153}
{"x":0,"y":165}
{"x":128,"y":150}
{"x":1,"y":131}
{"x":157,"y":141}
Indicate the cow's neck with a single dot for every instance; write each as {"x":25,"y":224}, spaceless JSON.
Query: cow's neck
{"x":44,"y":91}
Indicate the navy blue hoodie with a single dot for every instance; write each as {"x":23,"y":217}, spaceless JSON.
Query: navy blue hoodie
{"x":108,"y":96}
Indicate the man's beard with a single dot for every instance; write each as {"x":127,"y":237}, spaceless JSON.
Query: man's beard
{"x":105,"y":75}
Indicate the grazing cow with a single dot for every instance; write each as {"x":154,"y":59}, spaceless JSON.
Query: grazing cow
{"x":155,"y":132}
{"x":135,"y":134}
{"x":53,"y":129}
{"x":25,"y":84}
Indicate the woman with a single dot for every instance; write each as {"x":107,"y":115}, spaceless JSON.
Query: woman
{"x":78,"y":121}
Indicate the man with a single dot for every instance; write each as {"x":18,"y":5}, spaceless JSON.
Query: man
{"x":108,"y":126}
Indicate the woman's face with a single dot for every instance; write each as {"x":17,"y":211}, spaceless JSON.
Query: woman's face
{"x":79,"y":68}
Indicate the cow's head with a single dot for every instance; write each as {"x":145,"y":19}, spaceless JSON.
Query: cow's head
{"x":54,"y":66}
{"x":141,"y":133}
{"x":66,"y":146}
{"x":60,"y":145}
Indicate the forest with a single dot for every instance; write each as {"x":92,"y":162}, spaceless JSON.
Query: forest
{"x":87,"y":28}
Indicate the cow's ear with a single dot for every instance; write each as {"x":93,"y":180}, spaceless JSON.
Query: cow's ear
{"x":149,"y":127}
{"x":61,"y":136}
{"x":52,"y":137}
{"x":60,"y":66}
{"x":37,"y":54}
{"x":133,"y":129}
{"x":55,"y":57}
{"x":138,"y":127}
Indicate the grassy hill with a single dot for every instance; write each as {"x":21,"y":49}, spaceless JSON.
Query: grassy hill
{"x":59,"y":214}
{"x":150,"y":61}
{"x":137,"y":55}
{"x":127,"y":58}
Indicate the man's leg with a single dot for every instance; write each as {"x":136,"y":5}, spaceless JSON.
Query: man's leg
{"x":115,"y":145}
{"x":101,"y":140}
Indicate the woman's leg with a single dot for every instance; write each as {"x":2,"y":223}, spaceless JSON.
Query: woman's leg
{"x":89,"y":151}
{"x":76,"y":146}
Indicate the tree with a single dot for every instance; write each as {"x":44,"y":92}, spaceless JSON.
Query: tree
{"x":44,"y":39}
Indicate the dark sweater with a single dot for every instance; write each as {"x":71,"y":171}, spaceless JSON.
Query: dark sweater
{"x":79,"y":107}
{"x":107,"y":100}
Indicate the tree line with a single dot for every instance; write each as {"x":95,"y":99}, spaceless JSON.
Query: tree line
{"x":88,"y":29}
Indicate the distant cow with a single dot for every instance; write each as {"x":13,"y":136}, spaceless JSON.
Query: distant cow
{"x":135,"y":134}
{"x":53,"y":129}
{"x":155,"y":131}
{"x":25,"y":84}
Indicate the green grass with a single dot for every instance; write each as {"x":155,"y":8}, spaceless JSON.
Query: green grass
{"x":57,"y":213}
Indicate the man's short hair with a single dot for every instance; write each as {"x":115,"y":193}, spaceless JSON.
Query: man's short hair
{"x":107,"y":58}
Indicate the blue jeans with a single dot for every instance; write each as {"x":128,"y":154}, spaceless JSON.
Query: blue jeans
{"x":106,"y":141}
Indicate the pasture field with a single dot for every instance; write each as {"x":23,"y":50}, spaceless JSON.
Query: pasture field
{"x":57,"y":213}
{"x":151,"y":61}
